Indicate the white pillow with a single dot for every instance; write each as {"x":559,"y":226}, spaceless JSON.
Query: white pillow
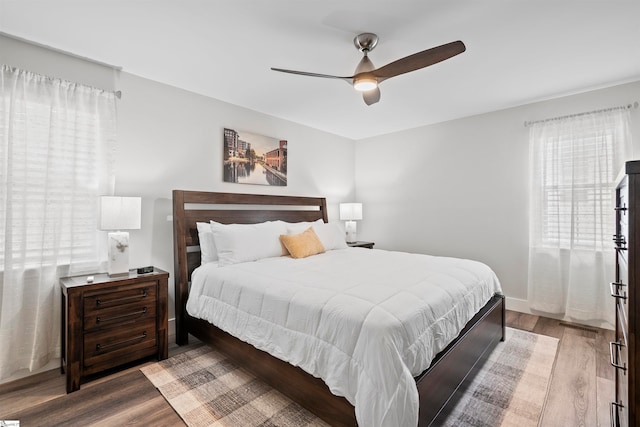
{"x":208,"y":251}
{"x":300,"y":227}
{"x":329,"y":234}
{"x":247,"y":242}
{"x":303,"y":225}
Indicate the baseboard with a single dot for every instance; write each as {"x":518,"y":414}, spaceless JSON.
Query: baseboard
{"x":519,"y":305}
{"x":523,"y":306}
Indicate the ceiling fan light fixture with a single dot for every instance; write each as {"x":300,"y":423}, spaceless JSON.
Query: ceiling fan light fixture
{"x":364,"y":84}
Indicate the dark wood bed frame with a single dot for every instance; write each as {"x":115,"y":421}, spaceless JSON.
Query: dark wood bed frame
{"x":436,"y":386}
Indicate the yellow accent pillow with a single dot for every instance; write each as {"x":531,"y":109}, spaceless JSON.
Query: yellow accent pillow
{"x":302,"y":245}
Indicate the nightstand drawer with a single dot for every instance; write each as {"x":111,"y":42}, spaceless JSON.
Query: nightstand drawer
{"x":95,"y":302}
{"x":118,"y":345}
{"x":121,"y":315}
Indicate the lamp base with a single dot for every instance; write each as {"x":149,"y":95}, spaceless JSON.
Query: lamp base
{"x":118,"y":253}
{"x":350,"y":229}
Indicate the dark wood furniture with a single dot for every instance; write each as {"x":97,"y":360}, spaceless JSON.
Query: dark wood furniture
{"x":112,"y":321}
{"x":359,"y":244}
{"x":436,"y":386}
{"x":625,"y":351}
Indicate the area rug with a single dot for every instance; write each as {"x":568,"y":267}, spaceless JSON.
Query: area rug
{"x":207,"y":389}
{"x":511,"y":388}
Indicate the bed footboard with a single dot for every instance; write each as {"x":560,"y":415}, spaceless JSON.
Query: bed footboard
{"x":460,"y":361}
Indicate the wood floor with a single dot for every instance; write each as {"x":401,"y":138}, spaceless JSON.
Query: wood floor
{"x":582,"y":383}
{"x":581,"y":387}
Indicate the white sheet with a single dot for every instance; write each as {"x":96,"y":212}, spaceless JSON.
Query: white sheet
{"x":366,"y":321}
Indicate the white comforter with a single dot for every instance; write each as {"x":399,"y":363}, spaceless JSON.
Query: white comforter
{"x":365,"y":321}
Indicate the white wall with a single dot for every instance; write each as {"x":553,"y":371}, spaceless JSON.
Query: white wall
{"x":170,"y":138}
{"x":460,"y":188}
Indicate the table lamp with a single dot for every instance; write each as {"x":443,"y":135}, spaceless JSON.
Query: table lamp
{"x":350,"y":212}
{"x":116,"y":214}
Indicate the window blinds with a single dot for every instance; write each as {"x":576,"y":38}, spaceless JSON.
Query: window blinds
{"x":578,"y":182}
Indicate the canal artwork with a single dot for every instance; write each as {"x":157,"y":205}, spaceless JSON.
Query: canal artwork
{"x":254,"y":159}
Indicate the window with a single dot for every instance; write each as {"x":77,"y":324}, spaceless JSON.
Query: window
{"x":52,"y":185}
{"x":578,"y":181}
{"x":56,"y":161}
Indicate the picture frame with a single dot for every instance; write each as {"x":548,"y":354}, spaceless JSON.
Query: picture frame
{"x":251,"y":158}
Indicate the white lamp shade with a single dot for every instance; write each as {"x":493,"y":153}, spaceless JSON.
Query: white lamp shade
{"x":120,"y":213}
{"x":350,"y":211}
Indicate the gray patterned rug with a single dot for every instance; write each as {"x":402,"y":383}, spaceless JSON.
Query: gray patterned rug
{"x":207,"y":389}
{"x":511,"y":388}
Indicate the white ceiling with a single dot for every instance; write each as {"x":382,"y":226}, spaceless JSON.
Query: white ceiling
{"x":518,"y":51}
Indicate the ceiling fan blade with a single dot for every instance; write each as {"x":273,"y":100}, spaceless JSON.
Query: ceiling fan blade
{"x":371,"y":96}
{"x":304,"y":73}
{"x":419,"y":60}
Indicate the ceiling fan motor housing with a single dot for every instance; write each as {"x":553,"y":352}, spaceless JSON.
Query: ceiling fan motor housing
{"x":365,"y":42}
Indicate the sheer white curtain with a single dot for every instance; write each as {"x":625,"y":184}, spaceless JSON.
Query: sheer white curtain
{"x":57,"y":142}
{"x":574,"y":162}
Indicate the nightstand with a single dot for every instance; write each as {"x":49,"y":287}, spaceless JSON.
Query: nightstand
{"x":358,"y":244}
{"x":112,"y":321}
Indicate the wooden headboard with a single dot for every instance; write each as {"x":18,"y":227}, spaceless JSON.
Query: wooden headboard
{"x":190,"y":207}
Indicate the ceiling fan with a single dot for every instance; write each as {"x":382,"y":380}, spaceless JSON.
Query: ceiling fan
{"x":366,"y":77}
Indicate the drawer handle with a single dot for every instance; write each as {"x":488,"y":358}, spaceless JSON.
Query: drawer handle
{"x":115,"y":344}
{"x":614,"y":414}
{"x":108,"y":319}
{"x":619,"y":239}
{"x":620,"y":242}
{"x":611,"y":351}
{"x":614,"y":293}
{"x":142,"y":295}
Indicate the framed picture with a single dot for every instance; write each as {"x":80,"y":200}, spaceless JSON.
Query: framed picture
{"x":254,"y":159}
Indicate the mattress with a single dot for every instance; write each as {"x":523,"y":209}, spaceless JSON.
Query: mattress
{"x":365,"y":321}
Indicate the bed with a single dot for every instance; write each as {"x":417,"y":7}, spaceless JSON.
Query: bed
{"x":436,"y":386}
